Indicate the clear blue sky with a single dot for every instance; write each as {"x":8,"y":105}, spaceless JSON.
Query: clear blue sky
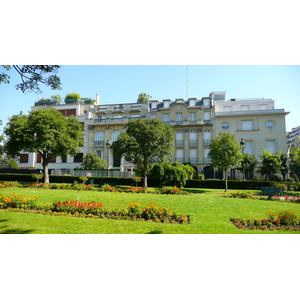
{"x":123,"y":83}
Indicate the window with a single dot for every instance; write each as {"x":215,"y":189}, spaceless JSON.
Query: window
{"x":206,"y":102}
{"x":179,"y":155}
{"x":99,"y":138}
{"x":39,"y":158}
{"x":52,"y":159}
{"x":152,"y":116}
{"x":179,"y":117}
{"x":206,"y":116}
{"x":244,"y":107}
{"x":166,"y":103}
{"x":225,"y":126}
{"x":64,"y":159}
{"x":23,"y":158}
{"x":262,"y":106}
{"x":192,"y":116}
{"x":193,"y":138}
{"x":207,"y":137}
{"x":100,"y":153}
{"x":248,"y":147}
{"x":270,"y":146}
{"x":179,"y":138}
{"x":115,"y":135}
{"x":166,"y":118}
{"x":247,"y":125}
{"x":270,"y":124}
{"x":192,"y":102}
{"x":206,"y":158}
{"x":78,"y":157}
{"x":193,"y":155}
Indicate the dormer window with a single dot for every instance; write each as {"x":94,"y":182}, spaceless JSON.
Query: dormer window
{"x":166,"y":103}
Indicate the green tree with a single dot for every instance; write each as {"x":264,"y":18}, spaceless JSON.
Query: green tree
{"x":249,"y":161}
{"x":271,"y":163}
{"x":93,"y":162}
{"x":32,"y":76}
{"x":174,"y":174}
{"x":45,"y":131}
{"x":225,"y":153}
{"x":143,"y":98}
{"x":144,"y":142}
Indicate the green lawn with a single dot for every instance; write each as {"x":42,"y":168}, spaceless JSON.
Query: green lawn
{"x":209,"y":213}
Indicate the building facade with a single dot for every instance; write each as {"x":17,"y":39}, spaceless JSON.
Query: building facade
{"x":293,"y":138}
{"x":195,"y":121}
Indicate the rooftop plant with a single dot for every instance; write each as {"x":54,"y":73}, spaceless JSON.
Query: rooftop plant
{"x":72,"y":96}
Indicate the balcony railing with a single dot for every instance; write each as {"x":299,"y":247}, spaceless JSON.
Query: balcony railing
{"x":193,"y":142}
{"x":179,"y":143}
{"x":206,"y":142}
{"x":193,"y":159}
{"x":98,"y":143}
{"x":179,"y":159}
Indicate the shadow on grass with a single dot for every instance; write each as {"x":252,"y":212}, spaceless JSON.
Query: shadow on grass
{"x":5,"y":230}
{"x":155,"y":232}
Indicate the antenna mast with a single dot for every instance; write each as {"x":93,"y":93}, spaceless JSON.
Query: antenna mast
{"x":186,"y":88}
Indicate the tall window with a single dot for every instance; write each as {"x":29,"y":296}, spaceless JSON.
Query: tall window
{"x":99,"y":138}
{"x":115,"y":135}
{"x":179,"y":155}
{"x":100,"y":153}
{"x":192,"y":116}
{"x":249,"y":147}
{"x":179,"y":117}
{"x":193,"y":138}
{"x":179,"y":138}
{"x":193,"y":155}
{"x":206,"y":116}
{"x":270,"y":145}
{"x":166,"y":118}
{"x":207,"y":137}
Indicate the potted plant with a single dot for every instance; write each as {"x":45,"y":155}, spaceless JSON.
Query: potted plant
{"x":72,"y":98}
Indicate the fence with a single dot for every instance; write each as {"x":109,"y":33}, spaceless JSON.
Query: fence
{"x":94,"y":173}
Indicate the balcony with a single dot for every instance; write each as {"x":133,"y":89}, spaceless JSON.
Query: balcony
{"x":179,"y":159}
{"x":193,"y":159}
{"x":192,"y":142}
{"x":206,"y":142}
{"x":179,"y":143}
{"x":98,"y":143}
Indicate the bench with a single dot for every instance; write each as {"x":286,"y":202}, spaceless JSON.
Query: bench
{"x":107,"y":182}
{"x":271,"y":190}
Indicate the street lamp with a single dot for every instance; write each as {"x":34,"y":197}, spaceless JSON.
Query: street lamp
{"x":108,"y":153}
{"x":243,"y":144}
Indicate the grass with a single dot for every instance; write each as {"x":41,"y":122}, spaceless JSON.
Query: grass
{"x":209,"y":212}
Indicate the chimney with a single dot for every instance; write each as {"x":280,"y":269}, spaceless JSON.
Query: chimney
{"x":97,"y":99}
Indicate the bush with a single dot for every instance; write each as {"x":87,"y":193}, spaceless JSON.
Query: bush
{"x":17,"y":201}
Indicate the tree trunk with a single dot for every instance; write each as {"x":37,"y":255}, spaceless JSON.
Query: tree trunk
{"x":145,"y":175}
{"x":46,"y":173}
{"x":226,"y":183}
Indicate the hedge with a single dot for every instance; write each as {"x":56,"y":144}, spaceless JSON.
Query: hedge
{"x":232,"y":184}
{"x":152,"y":182}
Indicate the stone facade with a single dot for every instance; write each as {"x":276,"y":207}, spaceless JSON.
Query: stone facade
{"x":195,"y":121}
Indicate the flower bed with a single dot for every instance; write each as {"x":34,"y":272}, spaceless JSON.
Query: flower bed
{"x":275,"y":221}
{"x":134,"y":211}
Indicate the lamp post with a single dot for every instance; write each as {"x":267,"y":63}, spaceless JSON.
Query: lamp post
{"x":108,"y":153}
{"x":243,"y":144}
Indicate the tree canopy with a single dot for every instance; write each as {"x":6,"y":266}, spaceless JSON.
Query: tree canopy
{"x":32,"y":76}
{"x":46,"y":132}
{"x":144,"y":142}
{"x":174,"y":174}
{"x":143,"y":98}
{"x":93,"y":162}
{"x":271,"y":163}
{"x":225,"y":153}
